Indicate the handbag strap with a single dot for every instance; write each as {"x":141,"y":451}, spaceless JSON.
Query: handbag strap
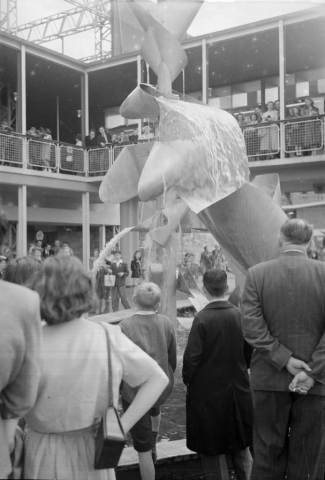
{"x":110,"y":375}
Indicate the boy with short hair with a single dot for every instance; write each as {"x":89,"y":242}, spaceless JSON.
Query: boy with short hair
{"x":154,"y":333}
{"x":219,"y":406}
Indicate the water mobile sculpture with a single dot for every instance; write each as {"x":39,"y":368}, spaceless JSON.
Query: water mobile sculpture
{"x":199,"y":163}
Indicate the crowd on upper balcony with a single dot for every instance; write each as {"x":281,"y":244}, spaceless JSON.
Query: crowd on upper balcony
{"x":303,"y":135}
{"x":105,"y":138}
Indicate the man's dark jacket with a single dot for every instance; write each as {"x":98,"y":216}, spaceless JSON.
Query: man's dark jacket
{"x":283,"y":309}
{"x":122,"y":268}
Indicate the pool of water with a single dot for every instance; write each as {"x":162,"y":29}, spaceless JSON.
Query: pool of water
{"x":173,"y":419}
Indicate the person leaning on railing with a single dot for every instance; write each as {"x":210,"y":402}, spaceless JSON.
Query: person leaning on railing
{"x":135,"y":136}
{"x":91,"y":140}
{"x":251,"y":138}
{"x":294,"y":133}
{"x":312,"y":136}
{"x":269,"y":138}
{"x":104,"y":139}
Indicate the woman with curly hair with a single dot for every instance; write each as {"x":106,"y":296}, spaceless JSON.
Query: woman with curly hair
{"x":73,"y":389}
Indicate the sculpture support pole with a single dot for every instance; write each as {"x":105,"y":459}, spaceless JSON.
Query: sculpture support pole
{"x":162,"y":262}
{"x":129,"y":243}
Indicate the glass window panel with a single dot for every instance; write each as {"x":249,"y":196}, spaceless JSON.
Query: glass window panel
{"x":214,"y":102}
{"x":112,"y":121}
{"x":321,"y":85}
{"x":302,"y":89}
{"x":239,"y":100}
{"x":271,"y":94}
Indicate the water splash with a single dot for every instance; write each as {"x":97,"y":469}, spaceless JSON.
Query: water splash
{"x":203,"y":152}
{"x":109,"y":245}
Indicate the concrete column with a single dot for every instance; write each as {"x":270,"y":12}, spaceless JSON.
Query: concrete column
{"x":262,"y":93}
{"x":85,"y":102}
{"x":129,"y":243}
{"x":205,"y":72}
{"x":85,"y":230}
{"x":23,"y":89}
{"x":18,"y":103}
{"x":102,"y":236}
{"x":140,"y":80}
{"x":22,"y":222}
{"x":282,"y":83}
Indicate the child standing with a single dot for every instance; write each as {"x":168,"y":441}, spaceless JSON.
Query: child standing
{"x":219,"y":407}
{"x":154,"y":333}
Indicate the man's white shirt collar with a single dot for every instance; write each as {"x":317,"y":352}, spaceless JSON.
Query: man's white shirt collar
{"x":118,"y":262}
{"x":144,"y":312}
{"x":218,"y":300}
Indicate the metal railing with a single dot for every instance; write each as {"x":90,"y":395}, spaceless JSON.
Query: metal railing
{"x":264,"y":141}
{"x":72,"y":159}
{"x":100,"y":160}
{"x":304,"y":136}
{"x":41,"y":155}
{"x":11,"y":150}
{"x":290,"y":137}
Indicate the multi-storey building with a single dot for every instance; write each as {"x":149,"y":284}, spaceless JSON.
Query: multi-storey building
{"x":53,"y":186}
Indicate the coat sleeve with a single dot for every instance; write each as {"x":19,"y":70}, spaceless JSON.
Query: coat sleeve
{"x":193,"y":351}
{"x":19,"y":395}
{"x":172,"y":351}
{"x":256,"y":330}
{"x":126,"y":270}
{"x":317,"y":363}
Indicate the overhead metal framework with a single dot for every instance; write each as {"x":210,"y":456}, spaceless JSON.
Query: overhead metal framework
{"x":87,"y":15}
{"x":8,"y":16}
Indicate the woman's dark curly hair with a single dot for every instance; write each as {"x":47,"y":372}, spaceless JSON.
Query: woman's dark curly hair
{"x":65,"y":289}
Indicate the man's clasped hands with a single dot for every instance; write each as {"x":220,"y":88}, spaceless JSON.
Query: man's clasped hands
{"x":301,"y":382}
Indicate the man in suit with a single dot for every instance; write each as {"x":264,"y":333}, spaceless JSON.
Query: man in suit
{"x":121,"y":271}
{"x":47,"y":252}
{"x":20,"y":326}
{"x":104,"y":138}
{"x":284,"y":320}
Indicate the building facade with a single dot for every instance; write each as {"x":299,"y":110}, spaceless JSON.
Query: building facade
{"x":52,"y":185}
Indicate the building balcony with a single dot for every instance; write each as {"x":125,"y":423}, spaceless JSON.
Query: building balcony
{"x":292,"y":148}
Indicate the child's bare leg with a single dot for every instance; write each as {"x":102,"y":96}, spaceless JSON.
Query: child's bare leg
{"x":146,"y":465}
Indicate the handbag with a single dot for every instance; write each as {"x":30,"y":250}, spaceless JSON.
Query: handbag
{"x":110,"y":280}
{"x":110,"y":438}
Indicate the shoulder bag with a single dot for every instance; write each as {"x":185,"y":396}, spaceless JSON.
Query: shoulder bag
{"x":110,"y":438}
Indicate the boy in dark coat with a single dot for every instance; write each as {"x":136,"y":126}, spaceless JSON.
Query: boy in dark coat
{"x":219,"y":407}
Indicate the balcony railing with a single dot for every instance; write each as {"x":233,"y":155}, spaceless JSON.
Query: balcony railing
{"x":264,"y":141}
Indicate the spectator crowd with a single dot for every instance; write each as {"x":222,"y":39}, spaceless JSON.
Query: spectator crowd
{"x":253,"y":365}
{"x":303,"y":131}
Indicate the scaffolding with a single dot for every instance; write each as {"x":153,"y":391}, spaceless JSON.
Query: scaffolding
{"x":87,"y":15}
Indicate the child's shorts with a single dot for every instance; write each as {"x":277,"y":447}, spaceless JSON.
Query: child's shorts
{"x":142,"y":431}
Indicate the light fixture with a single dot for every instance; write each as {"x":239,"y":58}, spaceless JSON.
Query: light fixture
{"x":15,"y":95}
{"x":79,"y":112}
